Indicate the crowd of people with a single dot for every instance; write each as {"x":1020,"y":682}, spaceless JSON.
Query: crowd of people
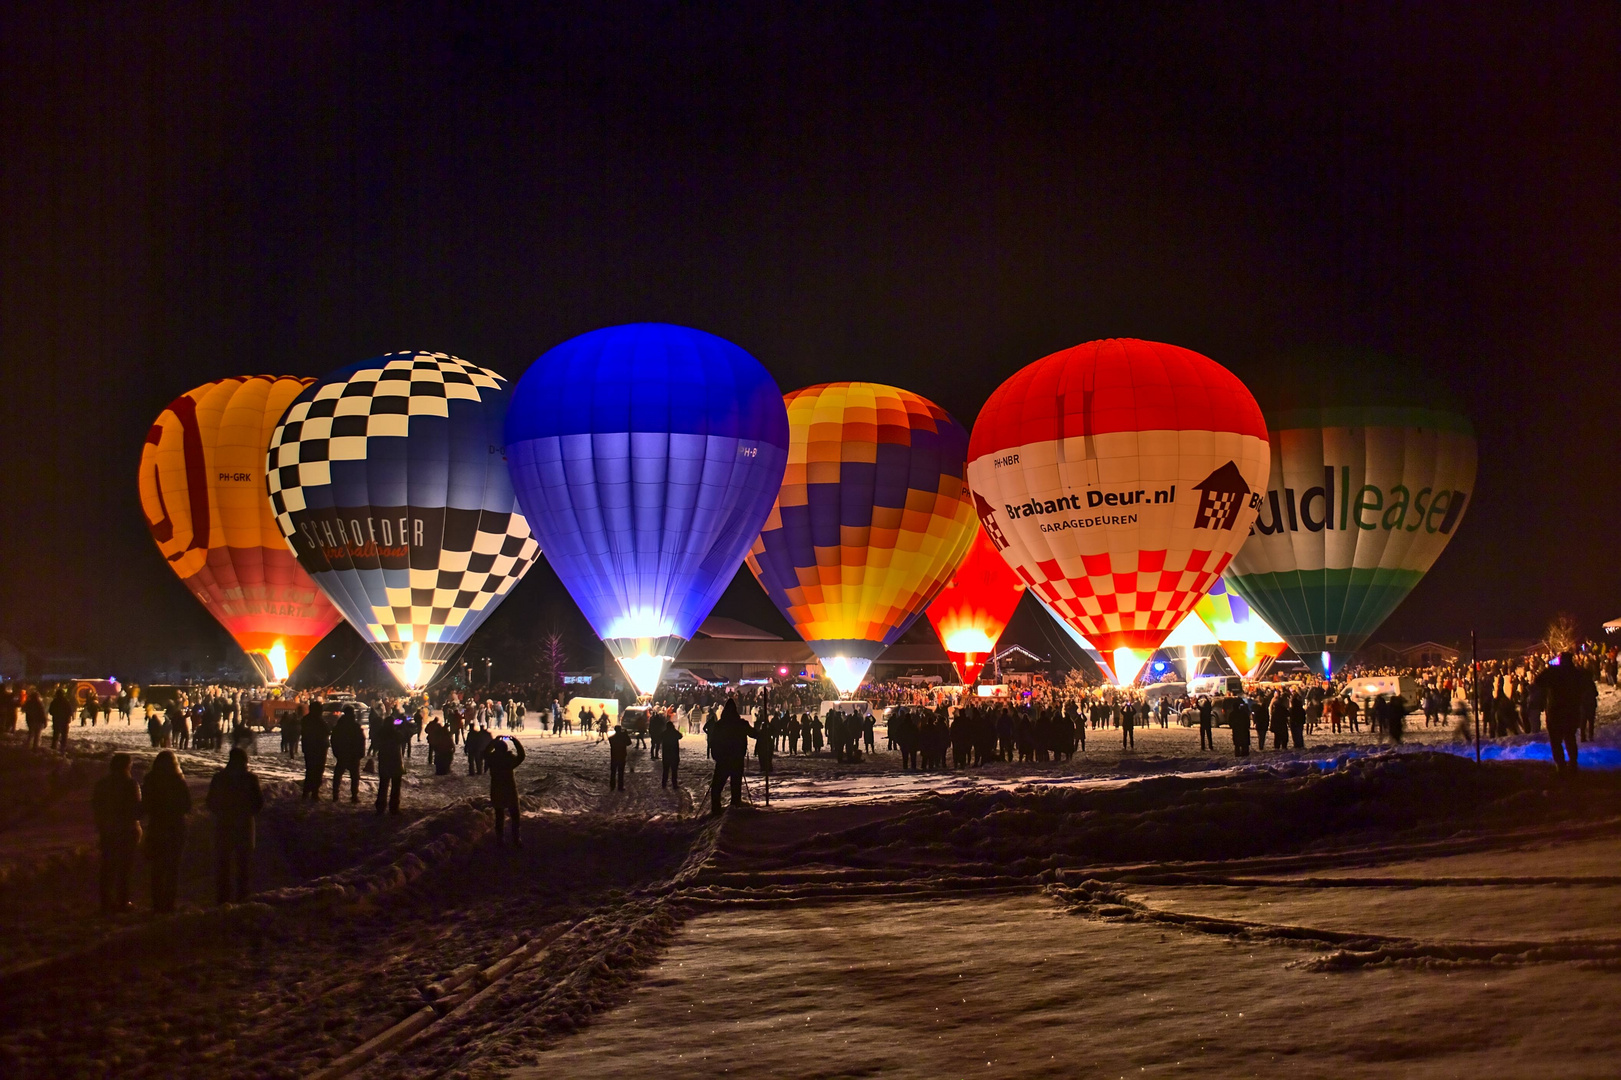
{"x":352,"y":733}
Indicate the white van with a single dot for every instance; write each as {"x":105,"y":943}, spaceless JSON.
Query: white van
{"x":1370,"y":688}
{"x":1214,"y":686}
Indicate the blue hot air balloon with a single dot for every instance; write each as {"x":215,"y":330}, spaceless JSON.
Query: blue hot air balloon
{"x":387,"y":480}
{"x":646,"y":457}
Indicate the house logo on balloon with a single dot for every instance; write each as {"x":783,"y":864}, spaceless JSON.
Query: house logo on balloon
{"x":1222,"y":495}
{"x":409,"y":494}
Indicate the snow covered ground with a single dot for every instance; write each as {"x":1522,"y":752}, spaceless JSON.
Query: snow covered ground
{"x":1011,"y":986}
{"x":1337,"y":911}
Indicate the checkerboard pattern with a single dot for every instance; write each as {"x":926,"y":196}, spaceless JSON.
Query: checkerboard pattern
{"x":1120,"y":595}
{"x":406,"y":568}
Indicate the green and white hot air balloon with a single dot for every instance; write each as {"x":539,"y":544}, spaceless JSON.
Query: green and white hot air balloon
{"x":1372,"y":471}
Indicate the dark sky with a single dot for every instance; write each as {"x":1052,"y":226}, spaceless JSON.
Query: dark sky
{"x":931,"y":194}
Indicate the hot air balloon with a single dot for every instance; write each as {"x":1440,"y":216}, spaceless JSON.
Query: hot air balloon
{"x":1372,"y":470}
{"x":1242,"y":634}
{"x":387,"y":480}
{"x":872,"y":520}
{"x":202,"y":490}
{"x":974,"y":607}
{"x":646,"y":456}
{"x":1117,"y":478}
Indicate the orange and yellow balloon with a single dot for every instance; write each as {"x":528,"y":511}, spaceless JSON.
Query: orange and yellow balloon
{"x":873,"y":518}
{"x":203,"y":492}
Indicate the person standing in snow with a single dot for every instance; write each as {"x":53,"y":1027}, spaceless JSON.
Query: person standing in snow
{"x":315,"y":738}
{"x":729,"y":746}
{"x":1238,"y":718}
{"x":670,"y":756}
{"x":501,"y":758}
{"x":389,"y":743}
{"x":618,"y":751}
{"x":348,"y":748}
{"x":116,"y":802}
{"x":235,"y":800}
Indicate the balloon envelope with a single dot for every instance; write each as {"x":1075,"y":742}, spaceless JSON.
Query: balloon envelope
{"x":388,"y":482}
{"x":202,"y":490}
{"x":872,"y":520}
{"x":1371,"y":473}
{"x":1242,"y":634}
{"x":974,"y":607}
{"x":1117,"y":478}
{"x":646,"y":456}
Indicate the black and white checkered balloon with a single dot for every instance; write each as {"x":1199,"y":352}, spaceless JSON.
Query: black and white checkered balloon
{"x":389,"y":483}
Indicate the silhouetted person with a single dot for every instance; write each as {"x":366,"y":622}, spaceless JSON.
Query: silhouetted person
{"x":389,"y":746}
{"x":1128,"y":726}
{"x":116,"y":802}
{"x":618,"y":751}
{"x":315,"y":737}
{"x":441,"y":747}
{"x":290,"y":723}
{"x":61,"y":718}
{"x":1565,"y":688}
{"x":1238,"y":717}
{"x":729,"y":746}
{"x":501,"y":758}
{"x":35,"y":718}
{"x":8,"y":709}
{"x":165,"y":801}
{"x":235,"y":800}
{"x":348,"y":749}
{"x":1297,"y":723}
{"x":473,"y":745}
{"x":1207,"y":720}
{"x":1396,"y":718}
{"x":670,"y":755}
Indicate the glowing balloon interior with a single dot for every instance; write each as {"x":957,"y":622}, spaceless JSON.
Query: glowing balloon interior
{"x":388,"y":483}
{"x":202,"y":490}
{"x":646,"y":457}
{"x":1242,"y":634}
{"x":1117,"y":478}
{"x":974,"y":607}
{"x":872,"y":520}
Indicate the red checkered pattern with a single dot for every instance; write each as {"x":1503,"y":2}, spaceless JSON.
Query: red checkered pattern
{"x":1121,"y":606}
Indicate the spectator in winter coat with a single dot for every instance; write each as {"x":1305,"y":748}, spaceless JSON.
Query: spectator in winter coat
{"x":729,"y":746}
{"x":670,"y":755}
{"x":389,"y":746}
{"x":316,"y":738}
{"x":61,"y":718}
{"x":618,"y":752}
{"x":34,"y":717}
{"x":473,"y":746}
{"x":441,"y":747}
{"x":348,"y":748}
{"x":235,"y":800}
{"x":165,"y":802}
{"x":1566,"y":689}
{"x":116,"y":802}
{"x":502,"y":757}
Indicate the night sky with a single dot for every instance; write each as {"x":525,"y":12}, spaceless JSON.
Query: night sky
{"x":932,"y":195}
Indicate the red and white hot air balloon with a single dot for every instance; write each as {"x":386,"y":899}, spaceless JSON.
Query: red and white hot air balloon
{"x":1117,"y":478}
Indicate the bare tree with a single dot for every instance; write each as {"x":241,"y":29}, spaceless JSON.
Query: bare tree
{"x":550,"y":663}
{"x":1563,"y":633}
